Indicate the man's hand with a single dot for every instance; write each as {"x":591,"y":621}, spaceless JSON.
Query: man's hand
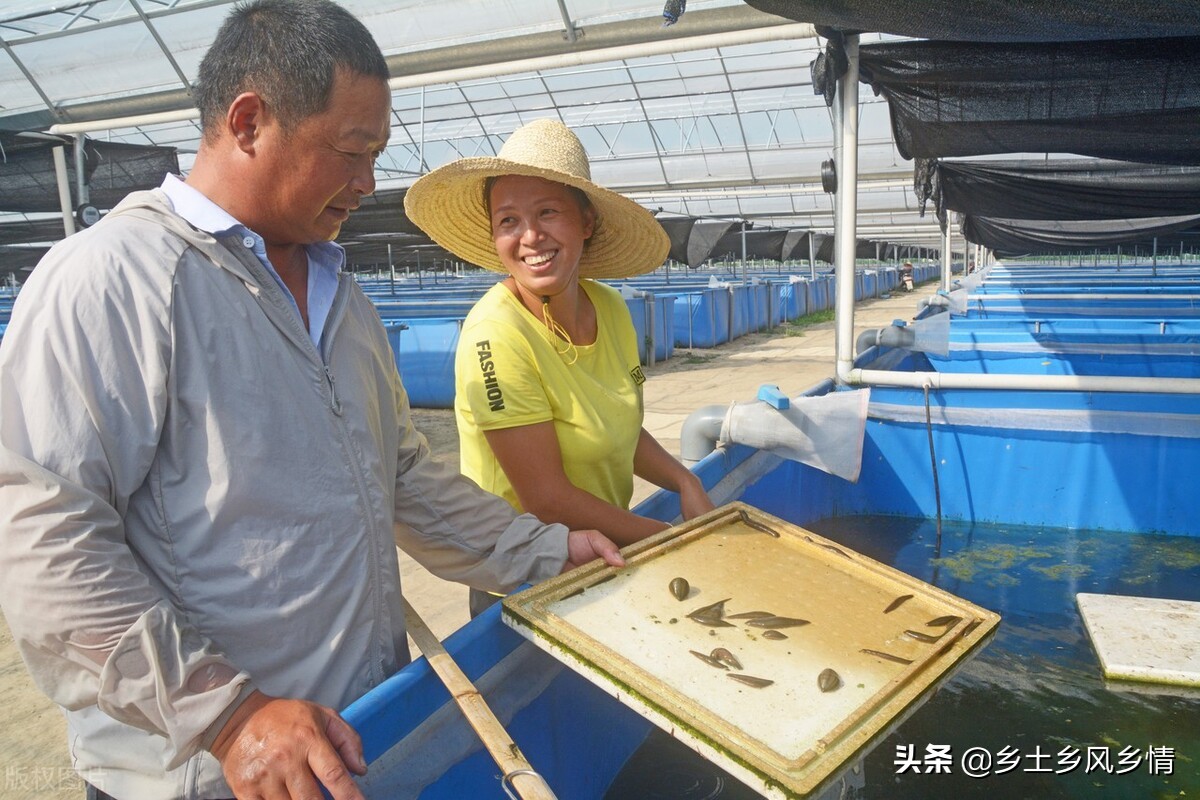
{"x":278,"y":749}
{"x":585,"y":546}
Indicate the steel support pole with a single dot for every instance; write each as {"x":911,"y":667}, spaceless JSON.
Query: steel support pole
{"x":391,"y":269}
{"x":743,"y":251}
{"x":812,"y":257}
{"x":947,"y":255}
{"x":82,"y":195}
{"x":64,"y":190}
{"x":845,"y":226}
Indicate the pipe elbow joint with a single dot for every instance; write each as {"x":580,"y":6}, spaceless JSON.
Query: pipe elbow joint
{"x":700,"y":433}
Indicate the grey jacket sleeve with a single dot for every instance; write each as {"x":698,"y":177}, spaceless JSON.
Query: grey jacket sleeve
{"x":84,"y":370}
{"x":462,"y":533}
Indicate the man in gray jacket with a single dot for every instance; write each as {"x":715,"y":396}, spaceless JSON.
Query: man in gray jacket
{"x":206,"y":454}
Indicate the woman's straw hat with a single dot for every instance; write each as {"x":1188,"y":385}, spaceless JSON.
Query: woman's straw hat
{"x":448,"y":204}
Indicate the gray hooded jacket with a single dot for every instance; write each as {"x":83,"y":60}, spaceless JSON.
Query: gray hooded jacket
{"x":194,"y":502}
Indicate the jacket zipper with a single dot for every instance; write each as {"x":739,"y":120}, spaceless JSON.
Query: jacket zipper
{"x":333,"y":322}
{"x":334,"y":403}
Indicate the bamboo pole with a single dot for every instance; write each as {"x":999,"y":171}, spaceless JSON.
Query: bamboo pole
{"x":504,"y":751}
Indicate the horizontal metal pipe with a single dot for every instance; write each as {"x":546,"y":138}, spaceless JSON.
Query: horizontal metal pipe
{"x":1037,"y":383}
{"x":64,"y":189}
{"x":641,"y":50}
{"x":126,"y":122}
{"x":985,"y":296}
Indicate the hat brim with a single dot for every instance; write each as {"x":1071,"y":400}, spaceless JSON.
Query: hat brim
{"x":448,"y":204}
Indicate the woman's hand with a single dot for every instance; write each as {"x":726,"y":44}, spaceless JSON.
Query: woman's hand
{"x":653,"y":463}
{"x":693,"y":500}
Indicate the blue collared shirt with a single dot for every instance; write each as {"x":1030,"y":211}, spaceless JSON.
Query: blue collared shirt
{"x":325,"y":259}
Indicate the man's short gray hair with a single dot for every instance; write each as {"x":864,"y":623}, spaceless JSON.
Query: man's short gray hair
{"x":287,"y":51}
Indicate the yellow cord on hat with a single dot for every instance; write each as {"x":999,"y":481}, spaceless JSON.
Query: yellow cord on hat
{"x":558,"y":334}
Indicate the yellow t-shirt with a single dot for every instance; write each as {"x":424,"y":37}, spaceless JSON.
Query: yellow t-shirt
{"x":508,"y":374}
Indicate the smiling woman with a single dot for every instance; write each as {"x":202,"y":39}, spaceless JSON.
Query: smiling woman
{"x":539,"y":228}
{"x":548,"y":380}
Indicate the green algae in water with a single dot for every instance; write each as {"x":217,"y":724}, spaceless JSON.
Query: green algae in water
{"x":1061,"y":572}
{"x":1002,"y":579}
{"x":1171,"y":552}
{"x":1038,"y":684}
{"x":999,"y":564}
{"x":996,"y":558}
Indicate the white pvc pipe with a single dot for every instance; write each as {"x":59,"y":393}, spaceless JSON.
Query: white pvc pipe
{"x":64,"y":190}
{"x":743,"y":256}
{"x":125,"y":122}
{"x":991,"y":297}
{"x":947,"y":254}
{"x":651,"y":330}
{"x":81,"y":187}
{"x":1053,"y":383}
{"x":700,"y":433}
{"x":812,"y":256}
{"x":845,"y":231}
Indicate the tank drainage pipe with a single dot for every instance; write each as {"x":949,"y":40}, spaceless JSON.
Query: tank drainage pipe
{"x":700,"y":433}
{"x":895,"y":335}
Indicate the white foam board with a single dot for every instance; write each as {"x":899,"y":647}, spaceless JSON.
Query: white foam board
{"x":1144,"y":638}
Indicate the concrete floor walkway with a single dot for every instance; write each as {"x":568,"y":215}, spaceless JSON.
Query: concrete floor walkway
{"x":34,"y":761}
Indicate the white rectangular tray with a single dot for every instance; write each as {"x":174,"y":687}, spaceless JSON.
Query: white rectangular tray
{"x":625,"y":631}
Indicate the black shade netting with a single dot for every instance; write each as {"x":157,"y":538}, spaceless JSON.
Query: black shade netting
{"x":703,"y":238}
{"x":26,"y":231}
{"x":1124,"y":100}
{"x":20,"y":259}
{"x":766,"y":244}
{"x":29,"y":184}
{"x":796,"y":245}
{"x":380,"y":252}
{"x":862,"y":249}
{"x":678,"y":230}
{"x":998,"y":20}
{"x":1011,"y":237}
{"x":382,"y":212}
{"x":1062,"y":189}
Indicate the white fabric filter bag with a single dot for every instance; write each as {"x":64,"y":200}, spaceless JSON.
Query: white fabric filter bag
{"x":825,"y":431}
{"x":958,"y":302}
{"x":932,"y":334}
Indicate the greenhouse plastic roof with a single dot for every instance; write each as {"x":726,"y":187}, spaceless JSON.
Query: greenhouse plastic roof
{"x":711,"y":117}
{"x":714,"y":117}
